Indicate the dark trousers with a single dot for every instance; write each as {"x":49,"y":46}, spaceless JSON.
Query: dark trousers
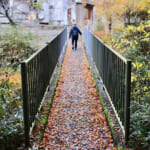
{"x":74,"y":41}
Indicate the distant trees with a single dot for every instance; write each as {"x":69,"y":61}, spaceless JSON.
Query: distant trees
{"x":123,"y":10}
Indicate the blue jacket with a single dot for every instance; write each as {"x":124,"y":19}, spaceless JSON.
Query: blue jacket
{"x":71,"y":32}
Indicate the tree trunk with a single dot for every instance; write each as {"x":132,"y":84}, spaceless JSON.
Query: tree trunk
{"x":3,"y":5}
{"x":9,"y":18}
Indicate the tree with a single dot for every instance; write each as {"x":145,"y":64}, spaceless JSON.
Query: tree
{"x":125,"y":9}
{"x":122,"y":10}
{"x":5,"y":5}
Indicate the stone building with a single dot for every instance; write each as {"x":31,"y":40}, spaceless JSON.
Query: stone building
{"x":84,"y":13}
{"x":60,"y":12}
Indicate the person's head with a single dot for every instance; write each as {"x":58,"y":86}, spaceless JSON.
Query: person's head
{"x":74,"y":24}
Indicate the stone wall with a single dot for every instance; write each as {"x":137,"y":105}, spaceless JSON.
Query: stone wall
{"x":58,"y":12}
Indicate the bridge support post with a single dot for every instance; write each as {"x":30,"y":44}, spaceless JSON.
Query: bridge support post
{"x":127,"y":101}
{"x":25,"y":102}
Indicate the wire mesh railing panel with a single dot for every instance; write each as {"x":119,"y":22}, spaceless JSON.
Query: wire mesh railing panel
{"x":36,"y":73}
{"x":115,"y":72}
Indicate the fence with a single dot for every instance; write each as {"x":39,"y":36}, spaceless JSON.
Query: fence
{"x":115,"y":72}
{"x":36,"y":73}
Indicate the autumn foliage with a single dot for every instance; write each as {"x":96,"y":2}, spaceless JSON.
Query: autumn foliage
{"x":130,"y":36}
{"x":120,"y":7}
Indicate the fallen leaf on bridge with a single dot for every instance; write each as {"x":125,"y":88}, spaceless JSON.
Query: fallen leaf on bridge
{"x":76,"y":120}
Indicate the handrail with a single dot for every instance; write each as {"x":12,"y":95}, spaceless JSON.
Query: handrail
{"x":37,"y":52}
{"x":115,"y":52}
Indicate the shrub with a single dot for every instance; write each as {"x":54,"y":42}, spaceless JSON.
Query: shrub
{"x":133,"y":42}
{"x":11,"y":125}
{"x":16,"y":45}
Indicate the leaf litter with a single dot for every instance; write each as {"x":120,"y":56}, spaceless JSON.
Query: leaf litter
{"x":76,"y":119}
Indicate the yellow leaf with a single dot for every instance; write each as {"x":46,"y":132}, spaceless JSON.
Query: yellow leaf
{"x":72,"y":146}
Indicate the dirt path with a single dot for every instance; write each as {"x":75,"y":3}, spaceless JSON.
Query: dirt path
{"x":76,"y":120}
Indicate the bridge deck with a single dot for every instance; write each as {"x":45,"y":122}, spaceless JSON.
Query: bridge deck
{"x":76,"y":120}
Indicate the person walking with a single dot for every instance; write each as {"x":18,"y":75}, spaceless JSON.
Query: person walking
{"x":74,"y":34}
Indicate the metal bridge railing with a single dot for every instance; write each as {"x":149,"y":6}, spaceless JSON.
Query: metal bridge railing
{"x":115,"y":72}
{"x":36,"y":73}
